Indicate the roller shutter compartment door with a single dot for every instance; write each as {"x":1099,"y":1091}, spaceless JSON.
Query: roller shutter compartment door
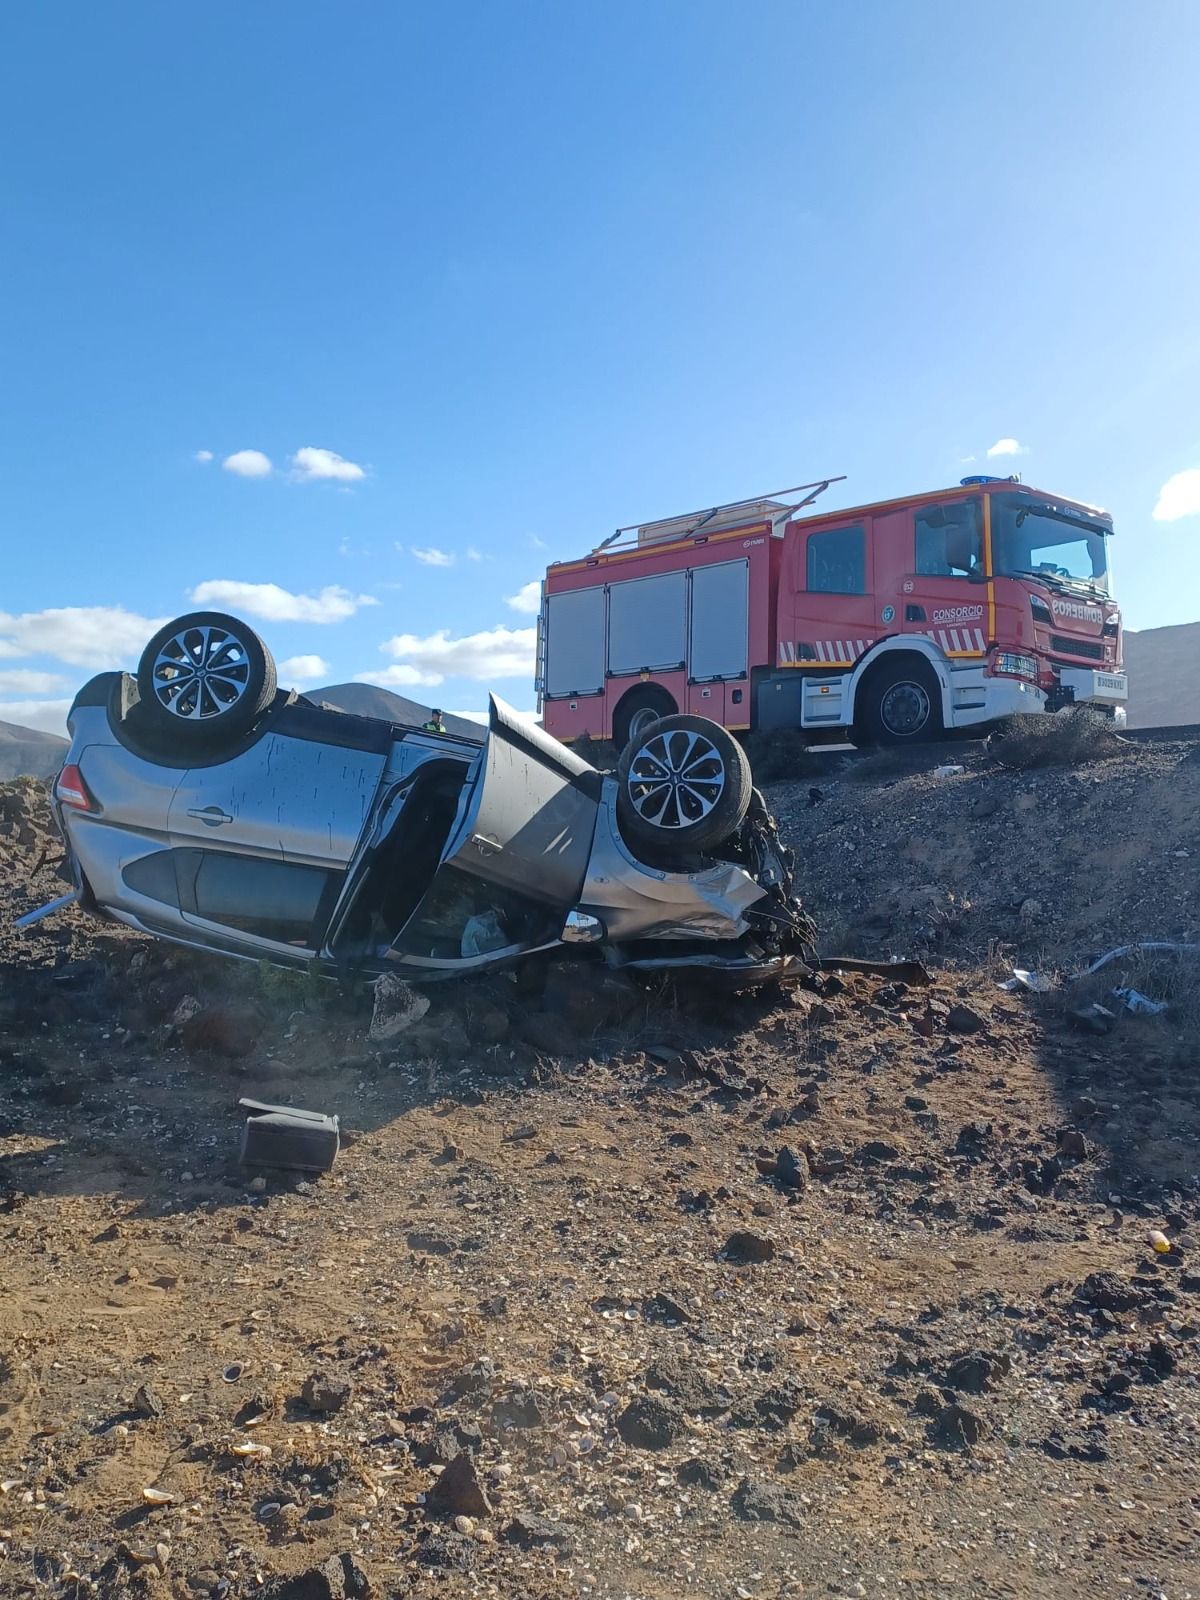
{"x":647,"y":623}
{"x":719,"y":637}
{"x":575,"y":642}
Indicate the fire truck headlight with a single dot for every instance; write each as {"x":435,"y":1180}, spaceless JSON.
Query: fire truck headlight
{"x":1015,"y":666}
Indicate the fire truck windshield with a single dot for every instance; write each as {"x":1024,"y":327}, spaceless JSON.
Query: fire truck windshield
{"x":1062,"y":546}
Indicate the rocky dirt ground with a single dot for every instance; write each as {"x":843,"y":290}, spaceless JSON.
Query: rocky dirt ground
{"x":842,"y":1293}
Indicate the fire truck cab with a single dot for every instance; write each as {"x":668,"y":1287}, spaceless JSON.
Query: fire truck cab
{"x":886,"y":624}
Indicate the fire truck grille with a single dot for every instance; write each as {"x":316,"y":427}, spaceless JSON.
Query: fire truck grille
{"x":1088,"y":648}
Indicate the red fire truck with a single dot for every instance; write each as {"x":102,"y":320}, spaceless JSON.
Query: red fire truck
{"x":885,"y":624}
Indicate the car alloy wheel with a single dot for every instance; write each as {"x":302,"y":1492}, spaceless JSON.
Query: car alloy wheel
{"x":675,"y":779}
{"x":201,"y":672}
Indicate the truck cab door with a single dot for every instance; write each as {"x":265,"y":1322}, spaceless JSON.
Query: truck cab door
{"x":944,"y":592}
{"x":833,"y":599}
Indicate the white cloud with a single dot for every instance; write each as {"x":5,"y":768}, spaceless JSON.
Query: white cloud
{"x":302,"y":669}
{"x":310,"y":465}
{"x":527,"y":600}
{"x":48,"y":716}
{"x":396,"y":677}
{"x":432,"y":557}
{"x":1006,"y":447}
{"x":538,"y":544}
{"x":497,"y":652}
{"x":473,"y":554}
{"x":203,"y":457}
{"x":24,"y":681}
{"x":248,"y":464}
{"x":1179,"y":497}
{"x":84,"y":636}
{"x":273,"y":604}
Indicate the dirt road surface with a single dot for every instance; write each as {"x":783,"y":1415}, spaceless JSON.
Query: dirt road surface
{"x":842,"y":1293}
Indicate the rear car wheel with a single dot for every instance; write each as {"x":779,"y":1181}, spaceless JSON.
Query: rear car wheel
{"x":203,"y":681}
{"x":637,"y":711}
{"x":902,"y":704}
{"x":684,"y":786}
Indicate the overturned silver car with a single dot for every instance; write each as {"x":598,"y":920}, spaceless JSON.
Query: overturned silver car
{"x":202,"y":805}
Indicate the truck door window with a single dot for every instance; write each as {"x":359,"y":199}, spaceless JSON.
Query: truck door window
{"x":837,"y":561}
{"x":949,"y":540}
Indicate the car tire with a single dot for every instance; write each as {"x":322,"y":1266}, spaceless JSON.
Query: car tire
{"x":203,"y":682}
{"x":901,"y":704}
{"x":684,"y":787}
{"x":638,"y":710}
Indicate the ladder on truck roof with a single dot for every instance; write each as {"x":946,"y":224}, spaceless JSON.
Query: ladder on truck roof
{"x":769,"y":506}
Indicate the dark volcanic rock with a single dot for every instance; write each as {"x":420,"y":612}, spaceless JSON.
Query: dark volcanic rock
{"x":699,"y":1474}
{"x":325,"y":1392}
{"x":231,"y":1031}
{"x":767,"y":1502}
{"x":665,"y":1308}
{"x":458,"y":1492}
{"x":339,"y":1578}
{"x":744,"y":1248}
{"x":453,"y":1552}
{"x":679,"y":1378}
{"x":877,"y":1152}
{"x":524,"y":1408}
{"x":1104,"y":1291}
{"x":955,"y":1427}
{"x":780,"y":1403}
{"x":961,"y":1019}
{"x":530,"y":1532}
{"x":649,"y":1423}
{"x":977,"y":1371}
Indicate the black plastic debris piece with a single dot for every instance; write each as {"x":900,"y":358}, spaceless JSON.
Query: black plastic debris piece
{"x":287,"y":1138}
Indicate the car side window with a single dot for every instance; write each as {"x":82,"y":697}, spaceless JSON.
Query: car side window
{"x":273,"y":899}
{"x":837,"y":561}
{"x":949,"y":540}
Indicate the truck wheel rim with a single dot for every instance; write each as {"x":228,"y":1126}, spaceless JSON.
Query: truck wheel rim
{"x":643,"y":718}
{"x":201,"y":673}
{"x":675,"y":779}
{"x":905,"y":708}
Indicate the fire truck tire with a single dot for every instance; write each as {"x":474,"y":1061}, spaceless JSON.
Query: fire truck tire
{"x":638,"y":710}
{"x":684,"y":786}
{"x":899,"y":703}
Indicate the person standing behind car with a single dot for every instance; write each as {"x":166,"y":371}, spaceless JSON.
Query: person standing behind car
{"x":435,"y":723}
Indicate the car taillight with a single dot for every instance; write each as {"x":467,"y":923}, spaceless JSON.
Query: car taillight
{"x":72,"y":791}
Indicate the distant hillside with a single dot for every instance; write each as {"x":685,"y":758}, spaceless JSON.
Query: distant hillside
{"x":24,"y":752}
{"x":1164,"y":675}
{"x":368,"y":700}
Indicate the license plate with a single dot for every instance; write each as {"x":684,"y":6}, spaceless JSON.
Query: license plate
{"x":1111,"y":683}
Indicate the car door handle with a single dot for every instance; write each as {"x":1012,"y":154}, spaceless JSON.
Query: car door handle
{"x":210,"y":816}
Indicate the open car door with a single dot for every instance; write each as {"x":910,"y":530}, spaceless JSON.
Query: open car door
{"x":515,"y":855}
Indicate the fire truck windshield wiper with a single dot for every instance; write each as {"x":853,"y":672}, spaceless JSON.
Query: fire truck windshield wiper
{"x":1056,"y":580}
{"x":1059,"y":515}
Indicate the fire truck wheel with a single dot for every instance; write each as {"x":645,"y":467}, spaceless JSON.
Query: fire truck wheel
{"x":637,"y":711}
{"x":683,"y":787}
{"x":901,"y":704}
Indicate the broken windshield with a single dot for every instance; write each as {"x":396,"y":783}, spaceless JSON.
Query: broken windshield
{"x":1034,"y":538}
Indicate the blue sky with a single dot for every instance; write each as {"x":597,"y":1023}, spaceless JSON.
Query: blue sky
{"x":482,"y":281}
